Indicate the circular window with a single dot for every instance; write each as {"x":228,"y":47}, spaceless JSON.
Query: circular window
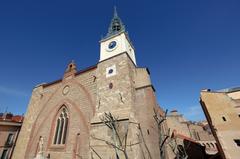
{"x":65,"y":90}
{"x":110,"y":71}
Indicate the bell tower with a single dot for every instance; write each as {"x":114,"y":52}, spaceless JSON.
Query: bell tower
{"x":115,"y":88}
{"x":124,"y":91}
{"x":116,"y":41}
{"x":115,"y":70}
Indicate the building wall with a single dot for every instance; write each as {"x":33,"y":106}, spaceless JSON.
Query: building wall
{"x":191,"y":131}
{"x":7,"y":128}
{"x":131,"y":100}
{"x":87,"y":96}
{"x":144,"y":112}
{"x":198,"y":133}
{"x":203,"y":137}
{"x":120,"y":97}
{"x":175,"y":121}
{"x":222,"y":113}
{"x":77,"y":93}
{"x":115,"y":94}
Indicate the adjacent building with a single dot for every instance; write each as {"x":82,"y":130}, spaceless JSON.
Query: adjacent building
{"x":222,"y":110}
{"x":191,"y":133}
{"x":10,"y":126}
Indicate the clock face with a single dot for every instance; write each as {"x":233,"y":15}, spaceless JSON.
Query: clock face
{"x":112,"y":45}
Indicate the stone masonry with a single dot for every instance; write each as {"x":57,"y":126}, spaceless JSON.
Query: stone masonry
{"x":67,"y":114}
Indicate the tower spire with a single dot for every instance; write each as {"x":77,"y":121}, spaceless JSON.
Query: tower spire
{"x":115,"y":12}
{"x":116,"y":26}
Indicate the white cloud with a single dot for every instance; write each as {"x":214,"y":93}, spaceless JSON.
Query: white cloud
{"x":13,"y":92}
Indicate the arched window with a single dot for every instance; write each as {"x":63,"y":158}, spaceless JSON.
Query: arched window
{"x":208,"y":145}
{"x":212,"y":145}
{"x":61,"y":127}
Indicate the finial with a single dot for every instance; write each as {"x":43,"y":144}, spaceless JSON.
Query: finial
{"x":71,"y":66}
{"x":115,"y":11}
{"x":71,"y":69}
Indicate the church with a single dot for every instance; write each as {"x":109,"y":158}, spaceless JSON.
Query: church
{"x":102,"y":112}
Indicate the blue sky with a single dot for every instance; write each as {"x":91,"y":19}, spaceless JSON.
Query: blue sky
{"x":188,"y":45}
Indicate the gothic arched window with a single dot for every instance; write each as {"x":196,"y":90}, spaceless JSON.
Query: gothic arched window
{"x":61,"y":127}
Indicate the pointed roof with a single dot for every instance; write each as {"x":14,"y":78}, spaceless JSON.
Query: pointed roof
{"x":116,"y":25}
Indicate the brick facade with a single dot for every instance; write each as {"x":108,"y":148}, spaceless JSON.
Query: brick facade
{"x":115,"y":85}
{"x":86,"y":95}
